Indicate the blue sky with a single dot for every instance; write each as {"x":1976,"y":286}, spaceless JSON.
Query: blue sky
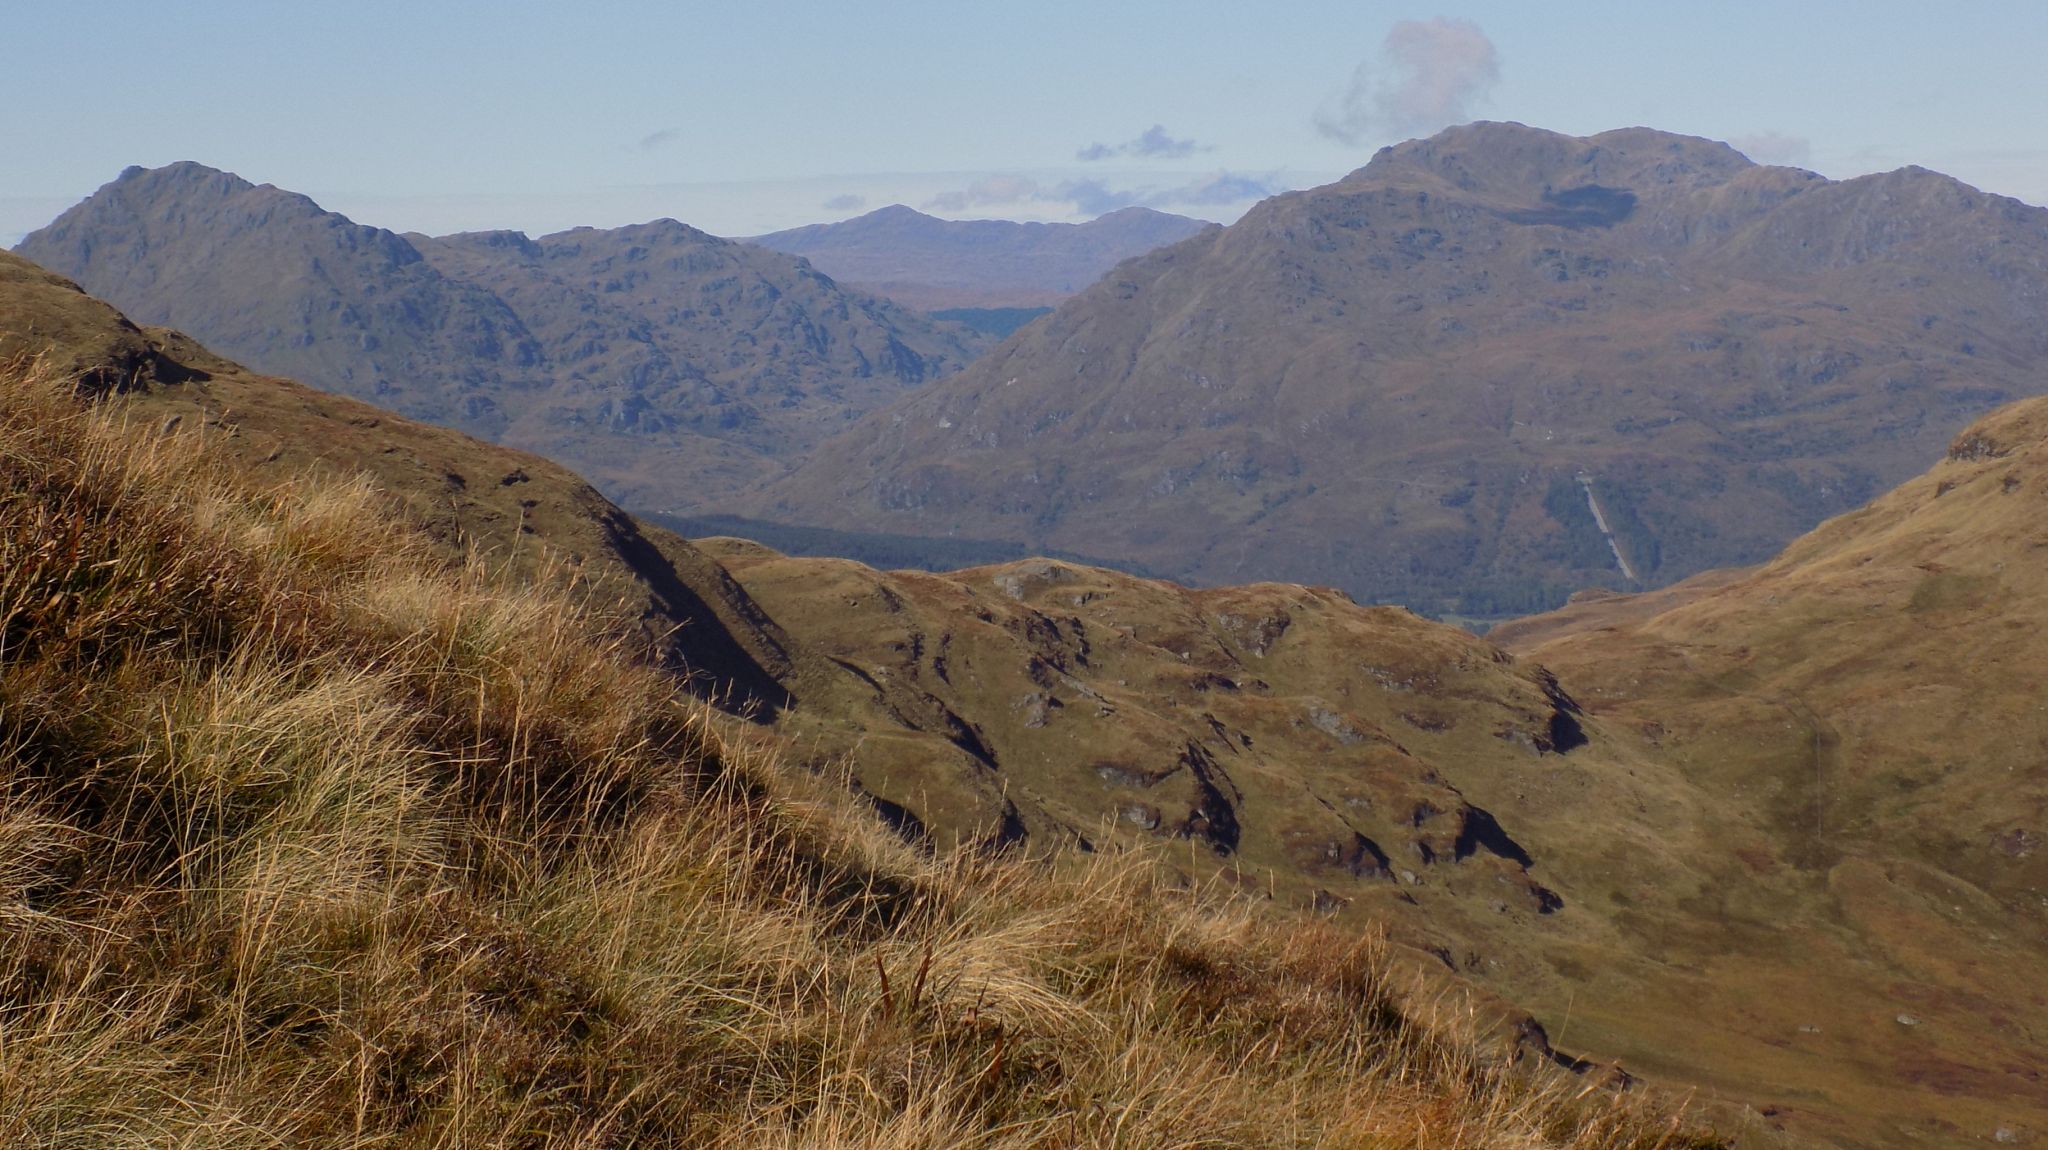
{"x":442,"y":116}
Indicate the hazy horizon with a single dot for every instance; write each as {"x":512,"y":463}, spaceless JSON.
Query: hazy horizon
{"x":747,"y":121}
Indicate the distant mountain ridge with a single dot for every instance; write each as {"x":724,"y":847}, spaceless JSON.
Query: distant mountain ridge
{"x":1469,"y":374}
{"x":929,"y":263}
{"x":667,"y":364}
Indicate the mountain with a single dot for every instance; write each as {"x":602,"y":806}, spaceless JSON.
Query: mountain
{"x":715,"y":361}
{"x":924,"y":262}
{"x":266,"y":274}
{"x":1486,"y":369}
{"x":942,"y":690}
{"x":668,"y":364}
{"x":324,"y":822}
{"x":1775,"y":834}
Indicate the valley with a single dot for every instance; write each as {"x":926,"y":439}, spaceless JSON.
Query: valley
{"x":1770,"y":834}
{"x":1403,"y":384}
{"x":815,"y":577}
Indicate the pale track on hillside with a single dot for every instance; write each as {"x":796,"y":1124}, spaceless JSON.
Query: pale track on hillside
{"x":1606,"y":532}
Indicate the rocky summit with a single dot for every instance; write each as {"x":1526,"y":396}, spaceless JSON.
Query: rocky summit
{"x":668,"y":364}
{"x":1486,"y":369}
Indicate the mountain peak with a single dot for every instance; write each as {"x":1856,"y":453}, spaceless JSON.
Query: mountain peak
{"x":1511,"y":159}
{"x":495,"y":239}
{"x":670,"y":229}
{"x":1133,"y":212}
{"x":186,"y":181}
{"x":187,"y":187}
{"x":189,"y":173}
{"x":615,"y":347}
{"x":894,"y":213}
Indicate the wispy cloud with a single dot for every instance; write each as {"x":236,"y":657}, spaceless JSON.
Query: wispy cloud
{"x":1428,"y":75}
{"x":845,"y":202}
{"x":989,"y":192}
{"x":1774,"y":148}
{"x":653,"y":140}
{"x":1094,"y":197}
{"x":1227,"y":188}
{"x":1154,"y":143}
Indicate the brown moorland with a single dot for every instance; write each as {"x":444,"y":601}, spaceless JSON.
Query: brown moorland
{"x":1867,"y":714}
{"x":1861,"y":975}
{"x":1781,"y":841}
{"x":320,"y":828}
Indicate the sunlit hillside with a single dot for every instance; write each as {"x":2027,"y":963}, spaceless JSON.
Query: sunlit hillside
{"x":311,"y":835}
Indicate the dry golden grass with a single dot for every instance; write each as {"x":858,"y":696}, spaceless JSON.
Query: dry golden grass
{"x":308,"y":838}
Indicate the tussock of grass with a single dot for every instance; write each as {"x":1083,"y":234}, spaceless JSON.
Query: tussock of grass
{"x":308,"y":837}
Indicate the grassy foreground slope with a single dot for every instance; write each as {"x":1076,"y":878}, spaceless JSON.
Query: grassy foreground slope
{"x":312,"y":835}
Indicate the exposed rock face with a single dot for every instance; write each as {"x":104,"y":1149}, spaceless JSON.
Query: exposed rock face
{"x":667,"y":364}
{"x":925,"y":262}
{"x":1395,"y":383}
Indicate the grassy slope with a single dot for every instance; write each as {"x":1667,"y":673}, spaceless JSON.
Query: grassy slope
{"x":462,"y":492}
{"x":310,"y":835}
{"x":1865,"y":714}
{"x":1878,"y":674}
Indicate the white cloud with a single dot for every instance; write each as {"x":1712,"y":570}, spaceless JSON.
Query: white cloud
{"x":1429,"y":75}
{"x":1152,"y":143}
